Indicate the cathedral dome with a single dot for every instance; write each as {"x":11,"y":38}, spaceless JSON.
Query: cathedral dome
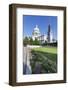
{"x":36,"y":30}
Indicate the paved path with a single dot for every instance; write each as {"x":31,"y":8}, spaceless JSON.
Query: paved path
{"x":26,"y":61}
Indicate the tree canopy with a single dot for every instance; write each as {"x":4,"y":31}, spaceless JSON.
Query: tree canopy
{"x":30,"y":41}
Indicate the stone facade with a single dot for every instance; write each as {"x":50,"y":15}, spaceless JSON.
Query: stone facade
{"x":46,"y":37}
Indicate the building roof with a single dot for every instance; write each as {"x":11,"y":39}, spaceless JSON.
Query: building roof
{"x":36,"y":30}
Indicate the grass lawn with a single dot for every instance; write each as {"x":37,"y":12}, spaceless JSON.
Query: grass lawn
{"x":46,"y":57}
{"x":47,"y":49}
{"x":50,"y":52}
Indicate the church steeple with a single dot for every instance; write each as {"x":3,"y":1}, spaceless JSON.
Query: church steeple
{"x":48,"y":33}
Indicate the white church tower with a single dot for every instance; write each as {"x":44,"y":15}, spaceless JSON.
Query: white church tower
{"x":51,"y":37}
{"x":36,"y":32}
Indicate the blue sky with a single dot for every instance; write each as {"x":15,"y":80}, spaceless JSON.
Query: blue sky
{"x":30,"y":21}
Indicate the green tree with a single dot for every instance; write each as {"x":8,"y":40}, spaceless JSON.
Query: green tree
{"x":31,"y":41}
{"x":26,"y":41}
{"x":36,"y":42}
